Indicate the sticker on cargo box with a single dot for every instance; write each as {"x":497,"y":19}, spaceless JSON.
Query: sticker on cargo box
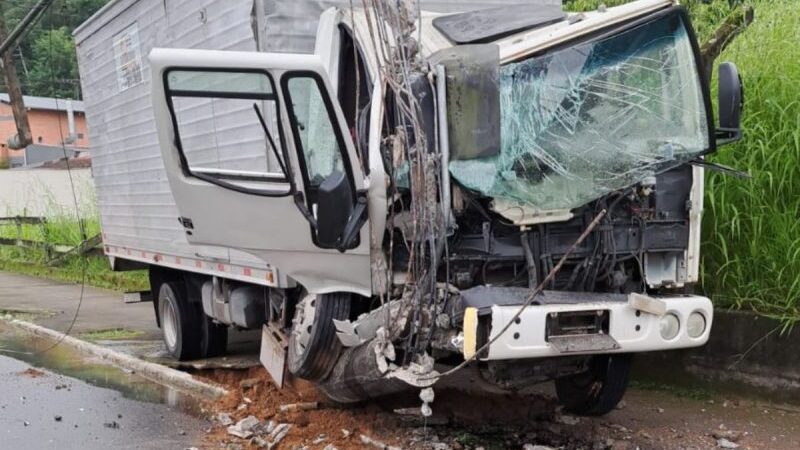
{"x":128,"y":58}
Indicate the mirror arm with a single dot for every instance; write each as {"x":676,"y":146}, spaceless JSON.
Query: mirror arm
{"x":725,"y":136}
{"x":354,"y":224}
{"x":300,"y":202}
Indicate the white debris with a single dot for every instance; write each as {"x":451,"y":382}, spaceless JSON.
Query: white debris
{"x":224,"y":419}
{"x":536,"y":447}
{"x":259,"y":442}
{"x":366,"y":440}
{"x":278,"y":434}
{"x":569,"y":420}
{"x":244,"y":427}
{"x":730,"y":435}
{"x":427,"y":395}
{"x":330,"y":447}
{"x":306,"y":406}
{"x":724,"y":443}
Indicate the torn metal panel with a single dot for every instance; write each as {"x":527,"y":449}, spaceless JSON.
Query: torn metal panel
{"x":353,"y":333}
{"x":584,"y":121}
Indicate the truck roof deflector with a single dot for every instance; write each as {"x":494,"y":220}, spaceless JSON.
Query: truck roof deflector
{"x":491,"y":24}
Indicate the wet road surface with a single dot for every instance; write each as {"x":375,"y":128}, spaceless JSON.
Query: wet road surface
{"x":54,"y":397}
{"x":40,"y":409}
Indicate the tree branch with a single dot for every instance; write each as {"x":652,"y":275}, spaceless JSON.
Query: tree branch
{"x":734,"y":24}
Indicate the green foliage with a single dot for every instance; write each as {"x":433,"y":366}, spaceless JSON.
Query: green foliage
{"x":706,"y":14}
{"x":111,"y":334}
{"x":65,"y":230}
{"x":751,"y":250}
{"x":54,"y":65}
{"x":48,"y":50}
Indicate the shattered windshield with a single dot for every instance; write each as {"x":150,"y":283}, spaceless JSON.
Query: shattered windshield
{"x":589,"y":119}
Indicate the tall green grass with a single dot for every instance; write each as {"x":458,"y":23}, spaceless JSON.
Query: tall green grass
{"x":751,"y":228}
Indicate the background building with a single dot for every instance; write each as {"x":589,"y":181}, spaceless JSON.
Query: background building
{"x":49,"y":120}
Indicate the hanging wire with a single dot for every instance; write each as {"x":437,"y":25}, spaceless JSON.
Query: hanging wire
{"x":73,"y":190}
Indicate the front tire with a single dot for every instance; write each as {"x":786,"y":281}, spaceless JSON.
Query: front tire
{"x":597,"y":391}
{"x":314,"y":347}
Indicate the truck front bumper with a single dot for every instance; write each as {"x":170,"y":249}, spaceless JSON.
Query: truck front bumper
{"x":631,"y":324}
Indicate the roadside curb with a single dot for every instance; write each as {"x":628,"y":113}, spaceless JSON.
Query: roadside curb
{"x":155,"y":372}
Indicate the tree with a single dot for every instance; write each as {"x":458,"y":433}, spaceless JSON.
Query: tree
{"x":54,"y":69}
{"x":47,"y":53}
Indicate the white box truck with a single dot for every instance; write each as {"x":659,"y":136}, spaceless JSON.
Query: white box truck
{"x":392,"y":191}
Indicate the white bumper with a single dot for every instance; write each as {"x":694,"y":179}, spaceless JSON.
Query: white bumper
{"x":633,"y":332}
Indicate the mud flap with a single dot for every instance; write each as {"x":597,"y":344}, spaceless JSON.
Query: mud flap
{"x":273,"y":354}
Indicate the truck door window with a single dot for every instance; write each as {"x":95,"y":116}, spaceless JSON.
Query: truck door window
{"x":354,"y":93}
{"x":218,"y":131}
{"x":317,"y":135}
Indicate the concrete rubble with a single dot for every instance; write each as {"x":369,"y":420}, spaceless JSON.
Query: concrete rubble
{"x":304,"y":406}
{"x":243,"y":428}
{"x":261,"y":434}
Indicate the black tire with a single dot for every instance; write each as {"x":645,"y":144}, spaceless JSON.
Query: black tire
{"x":214,"y":337}
{"x":180,"y":324}
{"x":315,"y":360}
{"x":597,"y":391}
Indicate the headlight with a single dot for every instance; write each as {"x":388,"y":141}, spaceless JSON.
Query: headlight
{"x":670,"y":325}
{"x":696,"y":325}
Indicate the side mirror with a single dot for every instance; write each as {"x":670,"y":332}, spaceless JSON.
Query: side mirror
{"x":334,"y":208}
{"x":731,"y":103}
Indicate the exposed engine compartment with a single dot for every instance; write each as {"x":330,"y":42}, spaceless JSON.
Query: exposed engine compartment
{"x":644,"y":224}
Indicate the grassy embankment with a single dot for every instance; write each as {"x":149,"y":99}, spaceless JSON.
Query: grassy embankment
{"x":64,"y":231}
{"x":752,"y":227}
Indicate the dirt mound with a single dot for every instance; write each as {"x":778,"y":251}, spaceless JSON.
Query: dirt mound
{"x":33,"y":373}
{"x":252,"y":393}
{"x":460,"y":420}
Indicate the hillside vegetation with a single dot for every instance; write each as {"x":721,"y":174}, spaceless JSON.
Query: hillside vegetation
{"x":752,"y":227}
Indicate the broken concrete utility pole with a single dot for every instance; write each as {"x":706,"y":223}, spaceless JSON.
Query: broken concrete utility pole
{"x":7,"y":44}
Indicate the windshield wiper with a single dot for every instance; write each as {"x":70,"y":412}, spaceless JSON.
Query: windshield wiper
{"x":720,"y":168}
{"x":269,"y":138}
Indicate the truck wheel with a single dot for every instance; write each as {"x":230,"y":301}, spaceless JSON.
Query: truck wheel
{"x":314,"y":347}
{"x":214,"y":337}
{"x":180,"y":325}
{"x":598,"y":390}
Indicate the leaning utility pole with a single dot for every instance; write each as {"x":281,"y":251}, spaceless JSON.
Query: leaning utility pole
{"x":24,"y":137}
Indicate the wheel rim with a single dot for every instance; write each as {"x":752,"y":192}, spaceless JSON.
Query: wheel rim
{"x":303,"y":323}
{"x":169,"y":322}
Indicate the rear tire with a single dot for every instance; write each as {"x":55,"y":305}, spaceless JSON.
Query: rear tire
{"x":314,"y":347}
{"x":180,"y":325}
{"x":597,"y":391}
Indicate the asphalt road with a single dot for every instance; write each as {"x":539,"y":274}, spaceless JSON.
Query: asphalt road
{"x":41,"y":409}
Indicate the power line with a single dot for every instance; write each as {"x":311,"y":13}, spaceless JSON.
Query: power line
{"x":24,"y":25}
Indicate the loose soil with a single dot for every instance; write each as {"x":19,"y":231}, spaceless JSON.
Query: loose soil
{"x":647,"y":419}
{"x":32,"y":373}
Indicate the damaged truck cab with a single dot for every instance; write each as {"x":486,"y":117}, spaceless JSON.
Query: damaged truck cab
{"x":520,"y":187}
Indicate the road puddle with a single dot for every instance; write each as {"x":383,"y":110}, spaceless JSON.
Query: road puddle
{"x":63,"y":360}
